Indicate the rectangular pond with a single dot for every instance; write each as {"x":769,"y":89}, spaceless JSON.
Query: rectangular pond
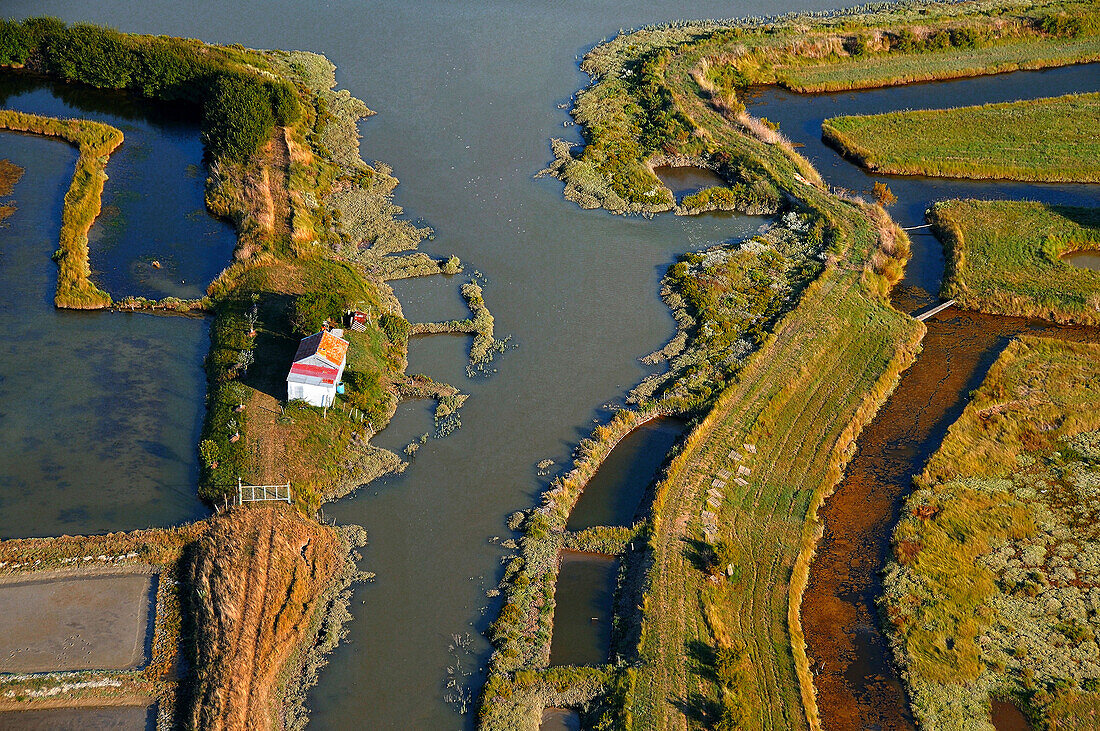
{"x":614,"y":493}
{"x":583,"y":607}
{"x":76,"y":622}
{"x":131,"y":718}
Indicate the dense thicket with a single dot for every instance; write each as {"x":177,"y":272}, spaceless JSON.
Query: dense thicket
{"x":240,"y":105}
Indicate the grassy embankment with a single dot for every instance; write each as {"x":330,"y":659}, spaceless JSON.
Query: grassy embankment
{"x":1004,"y":257}
{"x":10,"y":173}
{"x":799,"y":401}
{"x":95,"y":142}
{"x":992,"y":589}
{"x":1042,"y":139}
{"x":632,"y":121}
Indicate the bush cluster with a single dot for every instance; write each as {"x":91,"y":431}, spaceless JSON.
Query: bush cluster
{"x":240,"y":108}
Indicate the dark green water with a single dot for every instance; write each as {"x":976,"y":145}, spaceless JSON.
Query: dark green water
{"x":614,"y":493}
{"x":583,"y":605}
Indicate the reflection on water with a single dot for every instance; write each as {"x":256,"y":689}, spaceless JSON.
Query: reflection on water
{"x":857,"y":686}
{"x":686,"y":179}
{"x":153,"y":201}
{"x":130,"y":718}
{"x":99,"y":412}
{"x":614,"y":493}
{"x":583,"y":603}
{"x":1008,"y":717}
{"x":1084,"y":259}
{"x":560,"y":719}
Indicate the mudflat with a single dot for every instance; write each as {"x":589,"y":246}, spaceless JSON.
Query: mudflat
{"x":64,"y":719}
{"x":75,"y":622}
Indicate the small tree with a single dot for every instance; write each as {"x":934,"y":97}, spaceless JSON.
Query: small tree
{"x":883,"y":194}
{"x":208,"y":451}
{"x":313,"y":308}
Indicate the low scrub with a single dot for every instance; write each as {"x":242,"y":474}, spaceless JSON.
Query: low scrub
{"x":988,"y":593}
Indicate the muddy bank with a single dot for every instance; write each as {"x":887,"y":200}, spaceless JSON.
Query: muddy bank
{"x":857,"y":686}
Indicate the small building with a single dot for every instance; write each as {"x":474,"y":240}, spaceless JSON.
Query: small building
{"x":358,"y":320}
{"x":317,"y":367}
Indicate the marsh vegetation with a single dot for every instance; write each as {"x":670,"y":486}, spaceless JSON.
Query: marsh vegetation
{"x":1039,"y":139}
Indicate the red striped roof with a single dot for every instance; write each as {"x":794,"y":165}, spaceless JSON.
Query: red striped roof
{"x":304,"y":369}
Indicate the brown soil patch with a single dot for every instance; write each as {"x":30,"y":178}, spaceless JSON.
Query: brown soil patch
{"x":75,"y":622}
{"x":257,"y":579}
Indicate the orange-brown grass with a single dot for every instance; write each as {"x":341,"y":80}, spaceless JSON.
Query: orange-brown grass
{"x":257,"y":582}
{"x":996,"y":544}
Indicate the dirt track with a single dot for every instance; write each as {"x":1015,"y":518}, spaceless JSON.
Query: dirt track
{"x":75,"y":622}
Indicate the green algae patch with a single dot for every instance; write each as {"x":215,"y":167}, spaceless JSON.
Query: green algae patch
{"x":1042,"y":139}
{"x":1005,"y":258}
{"x":989,"y":592}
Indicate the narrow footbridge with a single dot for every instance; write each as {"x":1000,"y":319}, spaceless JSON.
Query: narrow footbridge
{"x":934,"y":310}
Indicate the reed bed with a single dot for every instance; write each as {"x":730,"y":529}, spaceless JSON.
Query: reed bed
{"x":95,"y":142}
{"x":1005,"y":258}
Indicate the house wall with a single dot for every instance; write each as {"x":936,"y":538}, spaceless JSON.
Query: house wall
{"x":314,"y":395}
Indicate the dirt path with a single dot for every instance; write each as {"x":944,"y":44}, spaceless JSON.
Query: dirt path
{"x":260,"y":574}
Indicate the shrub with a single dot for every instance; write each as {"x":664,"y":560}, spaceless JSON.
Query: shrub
{"x":313,"y":308}
{"x":237,"y":118}
{"x":883,"y":194}
{"x":396,"y":327}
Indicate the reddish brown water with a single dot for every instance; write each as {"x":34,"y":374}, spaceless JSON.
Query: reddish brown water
{"x":857,"y":687}
{"x":1007,"y":717}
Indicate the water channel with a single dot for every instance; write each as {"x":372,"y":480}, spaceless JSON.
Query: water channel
{"x":857,"y":686}
{"x":468,"y":95}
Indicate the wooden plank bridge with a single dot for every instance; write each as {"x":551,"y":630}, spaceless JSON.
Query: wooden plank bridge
{"x":934,"y":310}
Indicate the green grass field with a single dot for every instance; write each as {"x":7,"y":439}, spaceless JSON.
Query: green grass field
{"x":996,"y":551}
{"x":1004,"y":257}
{"x":894,"y":69}
{"x":1043,"y":139}
{"x":799,"y":403}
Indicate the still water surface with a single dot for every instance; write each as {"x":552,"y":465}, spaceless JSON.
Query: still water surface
{"x":468,"y":95}
{"x":100,"y":412}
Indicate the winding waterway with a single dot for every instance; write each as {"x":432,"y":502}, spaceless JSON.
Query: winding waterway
{"x":468,"y":95}
{"x":857,"y":686}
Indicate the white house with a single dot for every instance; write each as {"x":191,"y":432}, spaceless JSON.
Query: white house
{"x":317,"y":368}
